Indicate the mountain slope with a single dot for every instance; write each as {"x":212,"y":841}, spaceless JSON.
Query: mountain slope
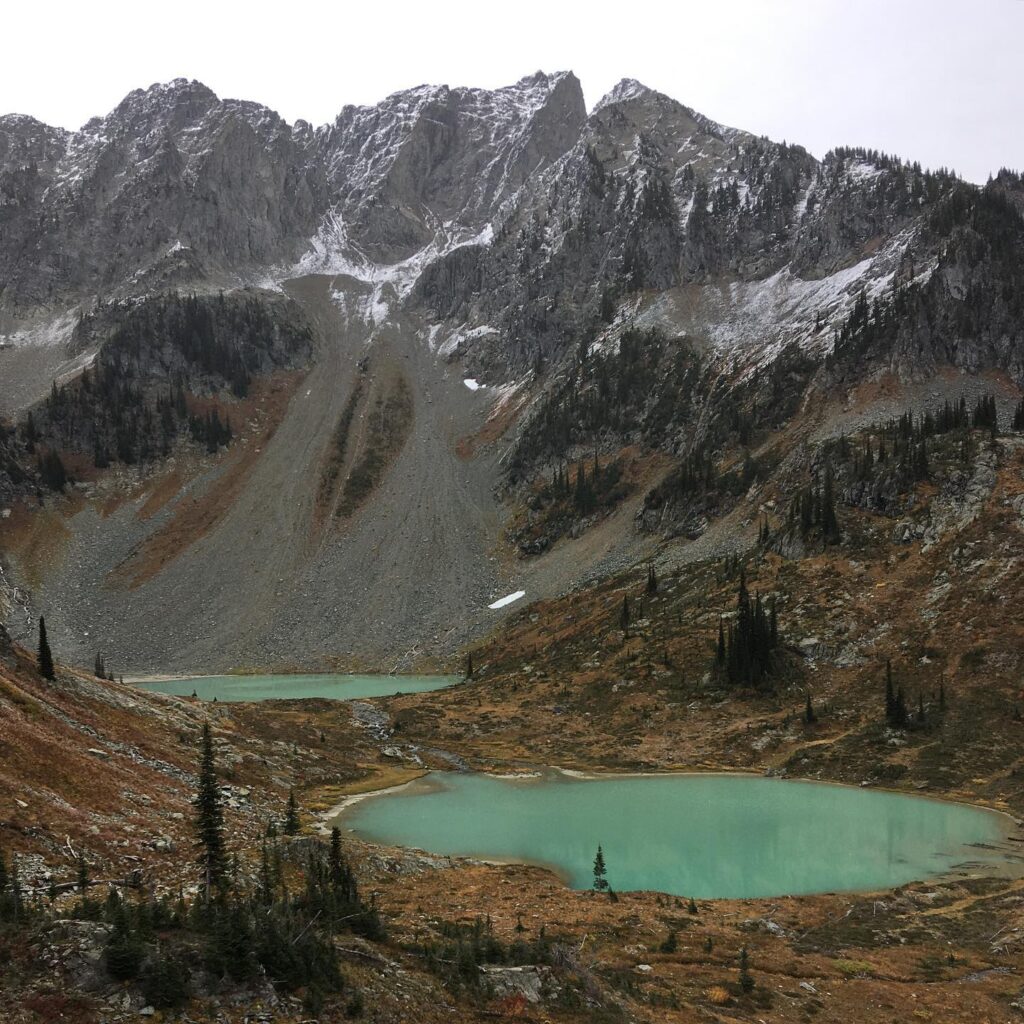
{"x":674,"y":299}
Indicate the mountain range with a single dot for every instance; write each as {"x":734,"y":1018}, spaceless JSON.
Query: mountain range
{"x":284,"y":396}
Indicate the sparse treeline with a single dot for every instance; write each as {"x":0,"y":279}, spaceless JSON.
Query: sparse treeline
{"x":882,"y":461}
{"x":278,"y":926}
{"x":900,"y":715}
{"x":745,"y":651}
{"x":133,"y":403}
{"x":585,"y":487}
{"x":638,"y":385}
{"x":985,"y":229}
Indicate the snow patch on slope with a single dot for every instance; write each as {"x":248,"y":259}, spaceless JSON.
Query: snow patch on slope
{"x":53,"y":332}
{"x":332,"y":251}
{"x":754,"y":321}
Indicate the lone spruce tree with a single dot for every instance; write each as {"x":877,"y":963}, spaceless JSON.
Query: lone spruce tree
{"x":212,"y":858}
{"x":746,"y":978}
{"x":291,"y":816}
{"x":652,"y":580}
{"x":600,"y":872}
{"x":45,"y":657}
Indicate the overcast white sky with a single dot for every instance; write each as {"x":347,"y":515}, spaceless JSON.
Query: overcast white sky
{"x":933,"y":80}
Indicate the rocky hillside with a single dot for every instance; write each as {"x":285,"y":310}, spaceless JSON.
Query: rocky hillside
{"x":543,"y":339}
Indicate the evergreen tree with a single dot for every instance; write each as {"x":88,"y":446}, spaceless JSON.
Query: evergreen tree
{"x":809,"y":716}
{"x":209,"y":822}
{"x":751,"y":640}
{"x":600,"y":872}
{"x":124,"y":951}
{"x":890,"y":692}
{"x":469,"y":665}
{"x":829,"y":521}
{"x":100,"y":670}
{"x":335,"y":860}
{"x":899,"y":718}
{"x":895,"y":703}
{"x":746,"y":979}
{"x":652,"y":580}
{"x":6,"y":903}
{"x":83,"y":875}
{"x":624,"y":615}
{"x":291,"y":817}
{"x":45,"y":657}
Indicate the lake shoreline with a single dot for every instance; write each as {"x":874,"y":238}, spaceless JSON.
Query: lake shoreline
{"x":254,"y":689}
{"x":1007,"y":851}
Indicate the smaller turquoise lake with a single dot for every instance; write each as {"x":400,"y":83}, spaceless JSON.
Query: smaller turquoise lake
{"x":296,"y":687}
{"x":708,"y":836}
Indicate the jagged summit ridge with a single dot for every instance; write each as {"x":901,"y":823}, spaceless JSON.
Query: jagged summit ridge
{"x":231,"y":180}
{"x":624,"y":91}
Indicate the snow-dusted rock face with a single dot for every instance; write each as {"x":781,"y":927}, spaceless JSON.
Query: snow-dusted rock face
{"x":509,"y":209}
{"x":220,"y":187}
{"x":436,"y":158}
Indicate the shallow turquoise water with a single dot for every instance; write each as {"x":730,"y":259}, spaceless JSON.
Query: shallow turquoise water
{"x":292,"y":687}
{"x":709,"y":836}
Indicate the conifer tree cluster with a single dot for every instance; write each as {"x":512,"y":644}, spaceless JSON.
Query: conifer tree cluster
{"x":814,"y":509}
{"x":1018,"y":416}
{"x":276,"y":931}
{"x":210,"y":430}
{"x":591,"y":487}
{"x":895,"y":703}
{"x":462,"y":948}
{"x":652,"y":580}
{"x":745,"y":652}
{"x":132,"y":404}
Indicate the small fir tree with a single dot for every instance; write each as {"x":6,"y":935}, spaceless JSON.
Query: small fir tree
{"x":746,"y":980}
{"x":45,"y":657}
{"x":809,"y":716}
{"x":600,"y":872}
{"x":291,"y":817}
{"x":652,"y":580}
{"x":209,"y":822}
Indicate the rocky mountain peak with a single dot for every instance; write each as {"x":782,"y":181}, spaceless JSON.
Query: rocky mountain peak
{"x":175,"y":103}
{"x":625,"y":91}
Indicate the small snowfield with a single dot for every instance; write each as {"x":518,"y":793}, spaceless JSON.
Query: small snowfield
{"x":508,"y":600}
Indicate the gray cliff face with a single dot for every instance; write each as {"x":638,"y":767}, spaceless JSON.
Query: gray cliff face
{"x":637,"y":276}
{"x":435,"y":157}
{"x":174,"y":167}
{"x":525,"y":229}
{"x":170,"y":167}
{"x":509,"y":209}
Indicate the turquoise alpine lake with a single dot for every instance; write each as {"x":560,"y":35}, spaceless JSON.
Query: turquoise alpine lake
{"x":708,"y":836}
{"x":295,"y":687}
